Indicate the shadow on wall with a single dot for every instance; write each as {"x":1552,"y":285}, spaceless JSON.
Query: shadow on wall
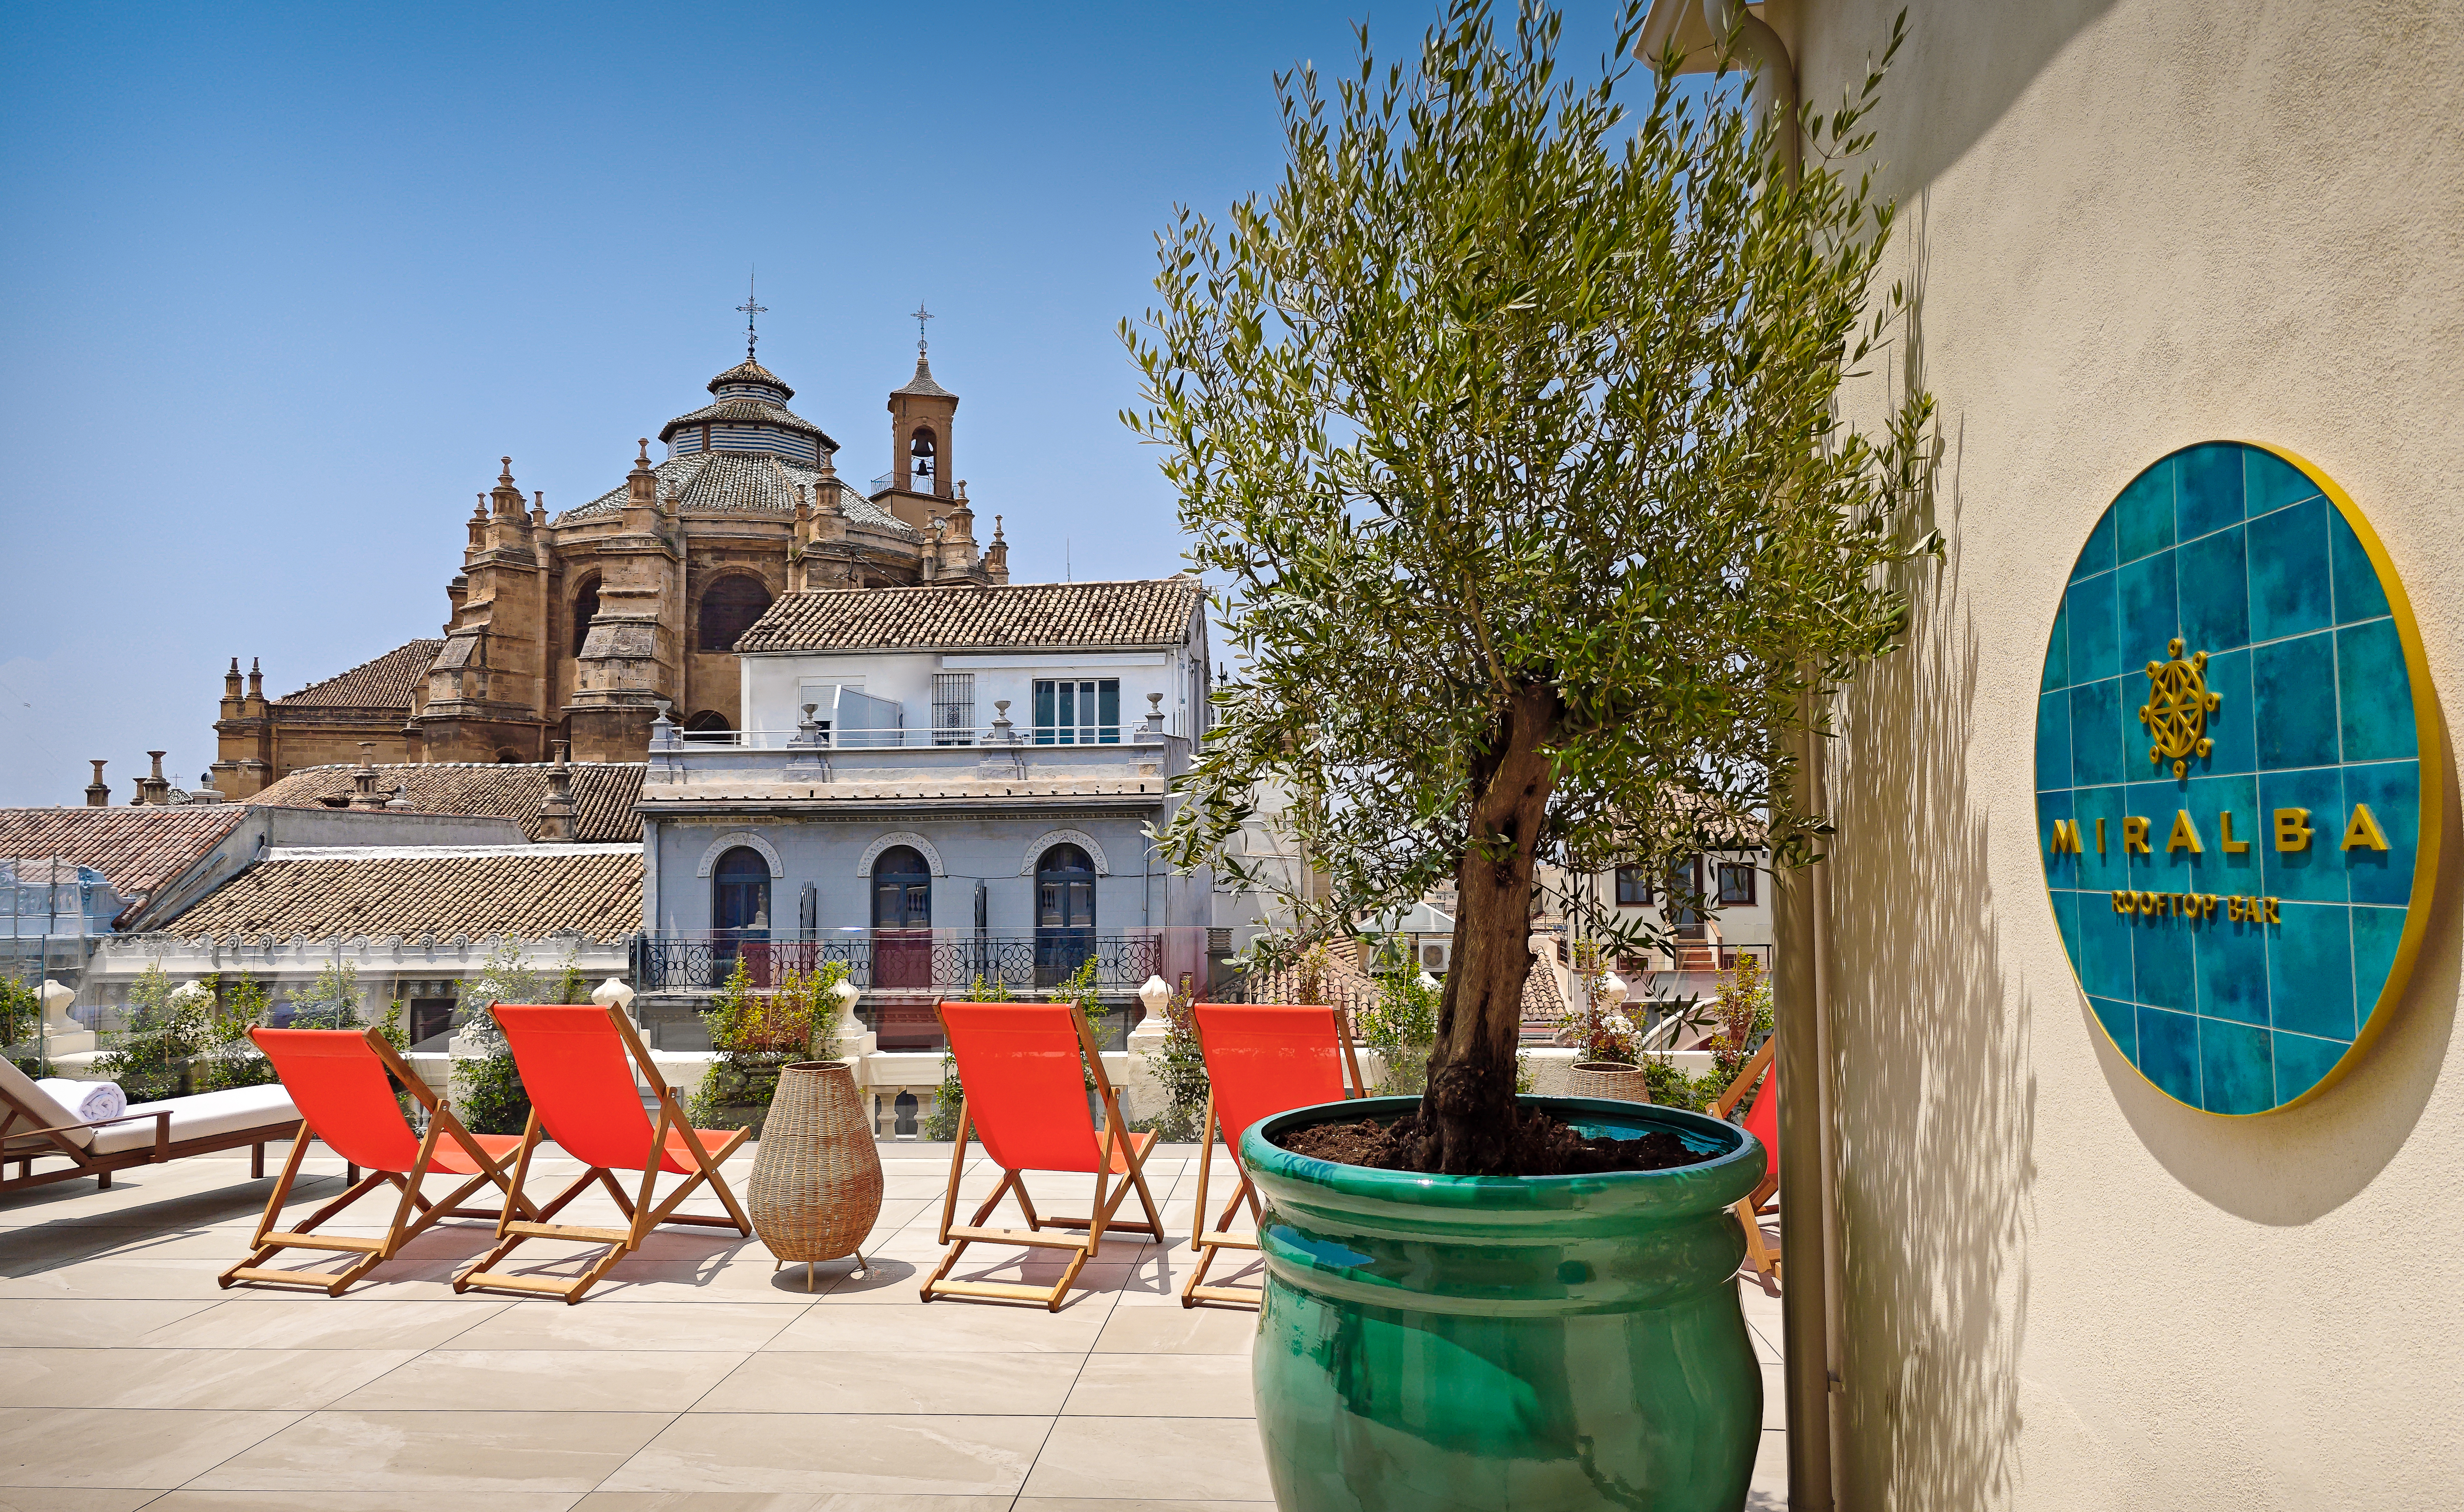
{"x":2291,"y":1166}
{"x":1935,"y":1100}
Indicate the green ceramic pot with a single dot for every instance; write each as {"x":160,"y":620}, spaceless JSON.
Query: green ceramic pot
{"x":1437,"y":1343}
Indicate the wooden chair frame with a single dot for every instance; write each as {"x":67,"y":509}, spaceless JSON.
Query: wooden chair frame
{"x":405,"y":1227}
{"x":640,"y":1216}
{"x":1114,"y":1142}
{"x":1205,"y":1242}
{"x":17,"y":1121}
{"x":1760,"y":1258}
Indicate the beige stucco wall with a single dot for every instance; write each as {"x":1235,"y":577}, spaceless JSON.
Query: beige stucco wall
{"x":2133,"y":225}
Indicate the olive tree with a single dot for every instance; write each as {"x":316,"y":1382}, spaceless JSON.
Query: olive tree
{"x":1505,"y":425}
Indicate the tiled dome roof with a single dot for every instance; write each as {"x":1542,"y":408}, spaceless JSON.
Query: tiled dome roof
{"x":750,"y":371}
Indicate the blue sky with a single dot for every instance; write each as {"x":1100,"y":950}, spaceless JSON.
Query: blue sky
{"x":285,"y":281}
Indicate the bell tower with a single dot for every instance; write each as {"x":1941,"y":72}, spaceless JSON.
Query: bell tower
{"x":921,"y":415}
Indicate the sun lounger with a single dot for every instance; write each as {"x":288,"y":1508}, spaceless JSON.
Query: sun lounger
{"x":1023,"y":1066}
{"x":578,"y":1063}
{"x":1762,"y":1121}
{"x":1261,"y":1060}
{"x":342,"y":1080}
{"x":33,"y":1126}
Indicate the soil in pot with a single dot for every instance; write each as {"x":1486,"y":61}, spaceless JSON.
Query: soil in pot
{"x":1544,"y":1145}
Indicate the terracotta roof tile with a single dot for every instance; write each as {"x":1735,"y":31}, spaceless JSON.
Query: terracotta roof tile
{"x":385,"y":683}
{"x":735,"y":480}
{"x":138,"y":849}
{"x":604,"y":792}
{"x":443,"y":891}
{"x":1141,"y":612}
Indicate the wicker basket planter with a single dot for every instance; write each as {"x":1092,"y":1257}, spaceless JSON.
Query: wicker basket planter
{"x":1608,"y":1079}
{"x":815,"y":1185}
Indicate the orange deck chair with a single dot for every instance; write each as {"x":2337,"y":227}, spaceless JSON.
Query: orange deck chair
{"x":577,"y":1064}
{"x":1023,"y":1068}
{"x":1762,"y":1121}
{"x":1261,"y":1060}
{"x":337,"y":1079}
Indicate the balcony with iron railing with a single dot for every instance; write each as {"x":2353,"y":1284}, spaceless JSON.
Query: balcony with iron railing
{"x":904,"y":971}
{"x":813,"y":752}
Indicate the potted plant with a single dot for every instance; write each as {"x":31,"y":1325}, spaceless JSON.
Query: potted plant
{"x":1507,"y":423}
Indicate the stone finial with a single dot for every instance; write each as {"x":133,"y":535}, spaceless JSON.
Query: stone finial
{"x":962,"y":490}
{"x":505,"y":478}
{"x":996,"y":527}
{"x":641,"y":458}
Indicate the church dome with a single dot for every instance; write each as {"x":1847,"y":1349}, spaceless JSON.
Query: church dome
{"x":749,"y":417}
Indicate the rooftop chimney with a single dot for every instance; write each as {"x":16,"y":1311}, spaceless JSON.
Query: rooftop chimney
{"x":556,"y":810}
{"x":364,"y":780}
{"x":97,"y":795}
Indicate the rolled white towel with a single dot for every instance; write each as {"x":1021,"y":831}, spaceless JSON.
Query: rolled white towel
{"x":92,"y":1101}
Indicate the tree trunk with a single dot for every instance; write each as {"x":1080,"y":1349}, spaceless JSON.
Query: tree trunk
{"x":1468,"y":1115}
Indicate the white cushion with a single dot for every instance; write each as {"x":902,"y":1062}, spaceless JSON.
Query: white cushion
{"x":45,"y":1109}
{"x":198,"y":1117}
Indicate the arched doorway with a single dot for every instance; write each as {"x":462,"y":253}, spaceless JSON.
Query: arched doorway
{"x":1065,"y":914}
{"x":740,"y":915}
{"x":902,"y":919}
{"x":729,"y":607}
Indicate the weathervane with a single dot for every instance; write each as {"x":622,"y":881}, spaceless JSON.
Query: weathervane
{"x":751,"y":307}
{"x":921,"y":315}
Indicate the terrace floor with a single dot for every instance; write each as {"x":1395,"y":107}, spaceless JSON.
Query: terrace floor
{"x":693,"y":1378}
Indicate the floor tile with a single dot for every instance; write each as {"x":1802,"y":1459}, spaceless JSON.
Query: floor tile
{"x":316,"y":1321}
{"x":512,"y":1380}
{"x":99,"y":1447}
{"x":1178,"y":1331}
{"x":1181,"y":1457}
{"x":781,"y":1451}
{"x":67,"y":1498}
{"x":1162,"y":1385}
{"x":439,"y":1452}
{"x":92,"y":1322}
{"x":904,"y":1381}
{"x":782,"y":1501}
{"x":597,"y":1324}
{"x":947,"y":1327}
{"x":363,"y":1502}
{"x":263,"y":1380}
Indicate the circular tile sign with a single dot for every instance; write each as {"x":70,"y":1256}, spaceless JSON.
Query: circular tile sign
{"x":2237,"y":831}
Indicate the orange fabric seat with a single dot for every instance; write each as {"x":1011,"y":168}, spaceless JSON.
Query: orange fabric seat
{"x":1762,"y":1121}
{"x":1024,"y":1069}
{"x":1261,"y":1060}
{"x":577,"y":1064}
{"x":342,"y":1081}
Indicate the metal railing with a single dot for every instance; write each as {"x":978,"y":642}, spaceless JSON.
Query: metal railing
{"x":824,"y":738}
{"x":941,"y":961}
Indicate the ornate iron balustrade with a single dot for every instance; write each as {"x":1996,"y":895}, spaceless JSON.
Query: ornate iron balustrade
{"x":948,"y":962}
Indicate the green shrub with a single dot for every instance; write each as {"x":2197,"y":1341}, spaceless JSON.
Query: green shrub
{"x":1402,"y":1027}
{"x":756,"y":1035}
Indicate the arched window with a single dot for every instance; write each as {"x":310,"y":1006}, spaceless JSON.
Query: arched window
{"x":508,"y":757}
{"x":729,"y":607}
{"x":919,"y":458}
{"x":739,"y":912}
{"x":902,"y":919}
{"x":902,"y":1115}
{"x":902,"y":889}
{"x":1065,"y":914}
{"x":586,"y":608}
{"x":708,"y":725}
